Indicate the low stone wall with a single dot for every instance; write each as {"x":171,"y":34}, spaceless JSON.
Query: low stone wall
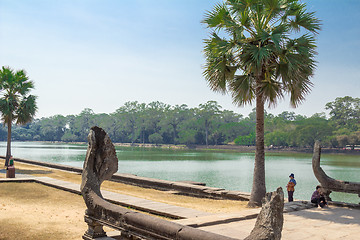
{"x":182,"y":188}
{"x":46,"y":164}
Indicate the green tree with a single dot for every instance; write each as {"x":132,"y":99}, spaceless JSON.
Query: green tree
{"x":129,"y":115}
{"x":189,"y":128}
{"x":251,"y":55}
{"x":287,"y":116}
{"x":187,"y":136}
{"x":246,"y":140}
{"x":230,"y":117}
{"x":311,"y":129}
{"x":278,"y":129}
{"x":3,"y":133}
{"x":82,"y":123}
{"x":156,"y":138}
{"x":173,"y":118}
{"x":343,"y":137}
{"x":153,"y":115}
{"x":68,"y":137}
{"x":234,"y":129}
{"x":227,"y":127}
{"x":16,"y":103}
{"x":52,"y":128}
{"x":207,"y":112}
{"x":22,"y":133}
{"x":345,"y":112}
{"x":277,"y":138}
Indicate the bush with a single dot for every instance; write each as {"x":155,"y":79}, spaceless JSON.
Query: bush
{"x":247,"y":140}
{"x":155,"y":138}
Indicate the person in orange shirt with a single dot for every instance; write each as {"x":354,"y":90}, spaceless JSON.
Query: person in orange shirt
{"x":291,"y":187}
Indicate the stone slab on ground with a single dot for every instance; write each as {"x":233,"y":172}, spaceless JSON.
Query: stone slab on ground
{"x":152,"y":206}
{"x":311,"y":224}
{"x":222,"y":218}
{"x":239,"y":216}
{"x":59,"y":184}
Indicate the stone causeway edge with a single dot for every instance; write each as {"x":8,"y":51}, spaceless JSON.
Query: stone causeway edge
{"x":182,"y":188}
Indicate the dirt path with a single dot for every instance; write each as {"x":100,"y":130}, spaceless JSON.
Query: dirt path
{"x":34,"y":211}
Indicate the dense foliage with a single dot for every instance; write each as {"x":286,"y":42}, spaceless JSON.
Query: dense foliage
{"x":159,"y":123}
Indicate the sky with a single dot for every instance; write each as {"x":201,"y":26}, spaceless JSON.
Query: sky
{"x":99,"y":54}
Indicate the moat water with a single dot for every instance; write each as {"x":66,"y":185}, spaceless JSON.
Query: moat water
{"x":222,"y":169}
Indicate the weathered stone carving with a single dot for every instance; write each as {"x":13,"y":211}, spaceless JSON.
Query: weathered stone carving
{"x":100,"y":163}
{"x":269,"y":222}
{"x":327,"y":183}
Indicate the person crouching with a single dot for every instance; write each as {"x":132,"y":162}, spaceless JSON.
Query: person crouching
{"x":318,"y":197}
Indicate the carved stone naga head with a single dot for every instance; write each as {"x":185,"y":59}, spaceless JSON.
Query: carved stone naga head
{"x":100,"y":163}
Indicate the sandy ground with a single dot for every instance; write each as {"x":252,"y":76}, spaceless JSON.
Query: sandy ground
{"x":34,"y":211}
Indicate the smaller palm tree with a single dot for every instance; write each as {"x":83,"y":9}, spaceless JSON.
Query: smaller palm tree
{"x":16,"y":103}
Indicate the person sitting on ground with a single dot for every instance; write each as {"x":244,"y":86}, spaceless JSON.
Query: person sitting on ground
{"x":318,"y":198}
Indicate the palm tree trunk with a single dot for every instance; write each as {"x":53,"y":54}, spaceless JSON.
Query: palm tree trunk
{"x":8,"y":148}
{"x":258,"y":188}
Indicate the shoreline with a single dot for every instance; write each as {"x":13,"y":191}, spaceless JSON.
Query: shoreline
{"x":228,"y":147}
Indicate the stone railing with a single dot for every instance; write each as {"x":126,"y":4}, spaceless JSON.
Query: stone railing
{"x":327,"y":183}
{"x":101,"y":163}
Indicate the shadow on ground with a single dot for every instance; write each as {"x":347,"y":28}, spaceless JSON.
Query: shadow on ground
{"x":331,"y":214}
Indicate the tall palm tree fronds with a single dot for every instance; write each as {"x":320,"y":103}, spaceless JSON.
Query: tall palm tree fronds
{"x":251,"y":55}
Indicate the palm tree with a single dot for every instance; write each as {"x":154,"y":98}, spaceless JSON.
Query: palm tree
{"x":250,"y":55}
{"x":16,"y":104}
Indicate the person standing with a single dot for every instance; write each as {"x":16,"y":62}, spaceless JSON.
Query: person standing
{"x":291,"y":187}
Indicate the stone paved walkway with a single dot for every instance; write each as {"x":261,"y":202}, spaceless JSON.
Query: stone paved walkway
{"x":310,"y":224}
{"x":301,"y":219}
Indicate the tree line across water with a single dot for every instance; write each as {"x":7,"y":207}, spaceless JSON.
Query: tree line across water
{"x":207,"y":124}
{"x":257,"y":51}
